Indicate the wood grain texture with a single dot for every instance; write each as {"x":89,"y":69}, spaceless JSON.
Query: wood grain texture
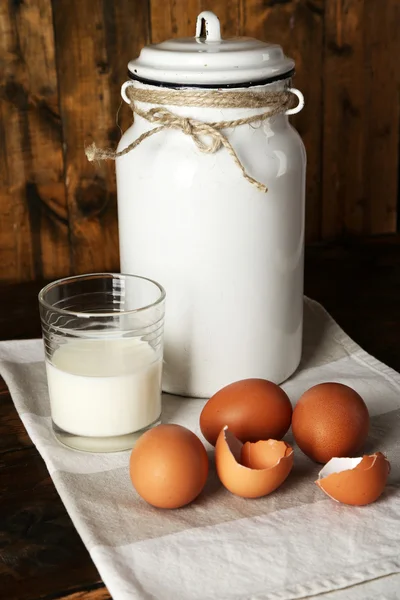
{"x":382,"y":41}
{"x":41,"y":555}
{"x":13,"y":434}
{"x":34,"y":240}
{"x":174,"y":18}
{"x":98,"y":594}
{"x":361,"y":117}
{"x":298,"y":27}
{"x":94,"y":41}
{"x":63,"y":62}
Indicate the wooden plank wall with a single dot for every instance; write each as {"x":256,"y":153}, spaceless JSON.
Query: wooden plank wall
{"x":62,"y":64}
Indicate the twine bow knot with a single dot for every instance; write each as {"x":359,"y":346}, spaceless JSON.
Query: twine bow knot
{"x":208,"y":137}
{"x":191,"y":127}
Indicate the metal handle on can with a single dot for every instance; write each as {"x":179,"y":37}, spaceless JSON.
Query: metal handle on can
{"x":300,"y":106}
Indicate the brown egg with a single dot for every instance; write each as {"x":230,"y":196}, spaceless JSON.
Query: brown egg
{"x":330,"y":420}
{"x":253,"y":409}
{"x":169,"y":466}
{"x":251,"y":470}
{"x":356,"y":481}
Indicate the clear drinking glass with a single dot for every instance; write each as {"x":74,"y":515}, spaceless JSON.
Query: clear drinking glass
{"x":103,"y":338}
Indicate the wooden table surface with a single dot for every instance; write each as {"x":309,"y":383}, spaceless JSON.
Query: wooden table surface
{"x":41,"y":555}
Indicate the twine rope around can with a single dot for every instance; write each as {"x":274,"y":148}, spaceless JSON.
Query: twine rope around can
{"x":208,"y":137}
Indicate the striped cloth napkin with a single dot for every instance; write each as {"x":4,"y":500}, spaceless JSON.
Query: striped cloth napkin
{"x":295,"y":543}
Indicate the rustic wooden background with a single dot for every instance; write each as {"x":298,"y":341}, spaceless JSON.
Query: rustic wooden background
{"x":62,"y":64}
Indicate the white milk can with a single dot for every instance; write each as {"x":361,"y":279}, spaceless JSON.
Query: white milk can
{"x":210,"y":181}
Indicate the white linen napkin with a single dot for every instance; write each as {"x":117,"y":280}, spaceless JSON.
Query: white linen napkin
{"x":295,"y":543}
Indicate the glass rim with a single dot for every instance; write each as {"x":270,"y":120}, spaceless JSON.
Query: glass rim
{"x":98,"y":314}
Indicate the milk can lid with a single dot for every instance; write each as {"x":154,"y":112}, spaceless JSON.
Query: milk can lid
{"x":207,"y":60}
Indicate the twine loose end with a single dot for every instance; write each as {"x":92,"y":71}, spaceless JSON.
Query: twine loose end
{"x":260,"y":186}
{"x":90,"y":152}
{"x":94,"y":153}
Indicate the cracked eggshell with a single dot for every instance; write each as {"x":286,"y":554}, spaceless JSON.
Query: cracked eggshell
{"x":355,"y":481}
{"x":252,"y":470}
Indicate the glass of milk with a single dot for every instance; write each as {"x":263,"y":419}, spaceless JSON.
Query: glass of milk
{"x":103,"y":338}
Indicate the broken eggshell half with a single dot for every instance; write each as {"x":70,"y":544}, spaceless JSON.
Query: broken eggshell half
{"x":252,"y":469}
{"x":355,"y":481}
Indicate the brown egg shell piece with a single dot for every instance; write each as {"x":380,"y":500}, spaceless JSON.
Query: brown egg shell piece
{"x":355,"y":481}
{"x":253,"y":469}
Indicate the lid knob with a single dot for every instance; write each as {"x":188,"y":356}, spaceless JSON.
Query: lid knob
{"x":208,"y":27}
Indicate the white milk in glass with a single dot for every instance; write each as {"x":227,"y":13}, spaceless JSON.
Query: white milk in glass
{"x":105,"y":387}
